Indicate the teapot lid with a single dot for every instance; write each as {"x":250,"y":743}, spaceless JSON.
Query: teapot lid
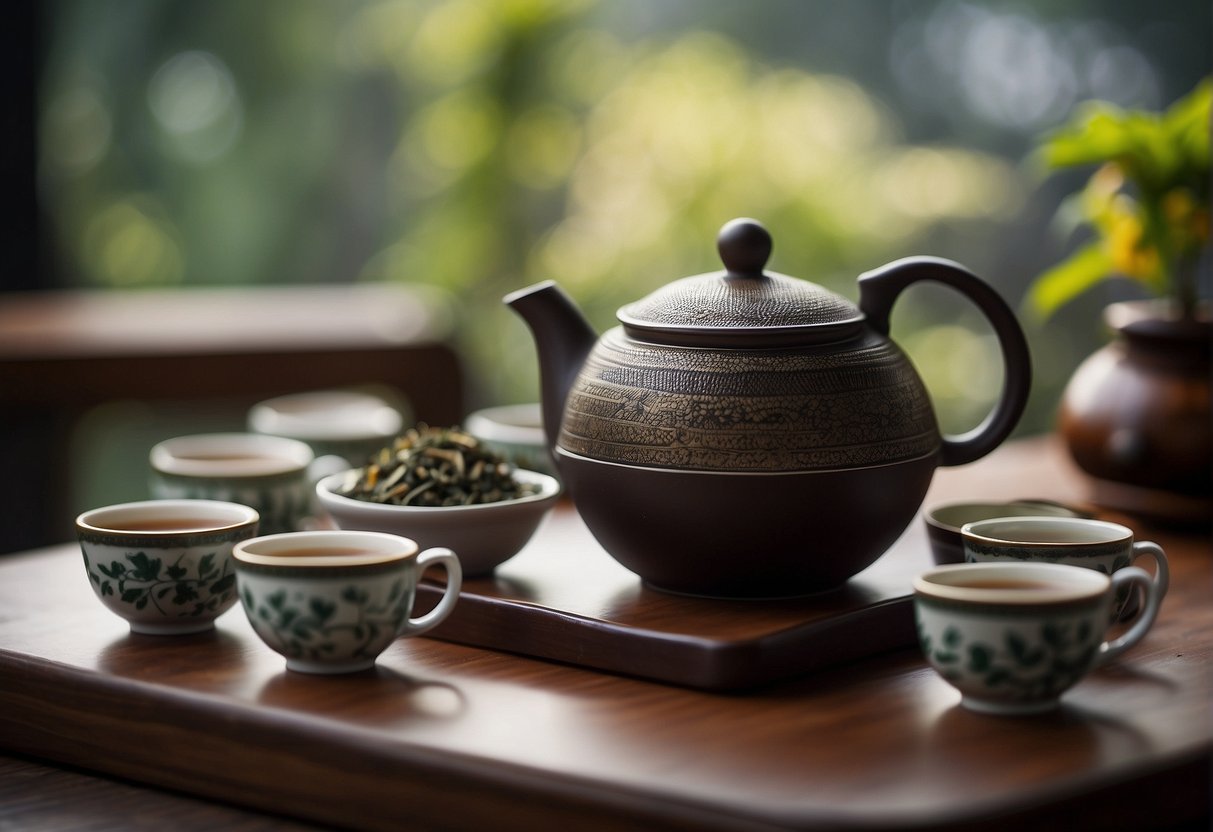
{"x":742,"y":306}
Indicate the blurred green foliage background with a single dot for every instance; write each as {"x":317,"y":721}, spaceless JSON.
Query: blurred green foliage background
{"x":482,"y":145}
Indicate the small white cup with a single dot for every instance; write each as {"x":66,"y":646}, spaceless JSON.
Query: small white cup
{"x":332,"y":601}
{"x":1013,"y":637}
{"x":272,"y":474}
{"x":165,"y":565}
{"x":1075,"y":541}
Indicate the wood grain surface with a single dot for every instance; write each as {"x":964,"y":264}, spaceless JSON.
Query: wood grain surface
{"x":444,"y":735}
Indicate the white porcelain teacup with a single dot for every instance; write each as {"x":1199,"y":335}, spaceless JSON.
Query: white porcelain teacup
{"x":1076,"y":541}
{"x":1013,"y":637}
{"x":274,"y":475}
{"x":332,"y":601}
{"x":165,"y":565}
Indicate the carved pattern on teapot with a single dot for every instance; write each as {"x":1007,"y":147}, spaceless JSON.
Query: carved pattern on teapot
{"x":819,"y":408}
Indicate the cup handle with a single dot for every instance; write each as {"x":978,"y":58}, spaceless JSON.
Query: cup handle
{"x":1162,"y":572}
{"x":454,"y":580}
{"x":1151,"y":591}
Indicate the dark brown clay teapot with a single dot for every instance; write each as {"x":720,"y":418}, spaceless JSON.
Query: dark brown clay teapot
{"x":746,"y":434}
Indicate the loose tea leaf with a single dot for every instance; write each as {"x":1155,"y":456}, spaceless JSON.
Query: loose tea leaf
{"x":435,"y":467}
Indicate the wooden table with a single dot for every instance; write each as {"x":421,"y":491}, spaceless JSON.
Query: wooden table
{"x":64,"y":352}
{"x":444,"y":735}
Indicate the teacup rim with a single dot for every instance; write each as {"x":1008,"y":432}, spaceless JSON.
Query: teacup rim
{"x":1082,"y":584}
{"x":400,"y":549}
{"x":86,"y":522}
{"x":1046,"y":508}
{"x":1118,"y":534}
{"x":164,"y":459}
{"x":271,"y":418}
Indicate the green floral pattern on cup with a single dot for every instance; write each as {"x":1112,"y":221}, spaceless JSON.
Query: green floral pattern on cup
{"x":318,"y":626}
{"x":184,"y":588}
{"x":1014,"y":665}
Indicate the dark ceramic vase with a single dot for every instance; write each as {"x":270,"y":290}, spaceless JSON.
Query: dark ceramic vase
{"x":1136,"y":415}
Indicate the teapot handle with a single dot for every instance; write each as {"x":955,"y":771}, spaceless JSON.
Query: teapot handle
{"x":880,"y":288}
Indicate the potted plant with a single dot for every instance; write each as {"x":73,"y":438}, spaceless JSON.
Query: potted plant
{"x":1136,"y":415}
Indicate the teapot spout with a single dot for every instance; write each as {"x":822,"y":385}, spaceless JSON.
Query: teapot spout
{"x":563,"y":339}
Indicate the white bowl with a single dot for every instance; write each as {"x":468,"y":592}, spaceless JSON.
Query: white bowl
{"x":483,"y":536}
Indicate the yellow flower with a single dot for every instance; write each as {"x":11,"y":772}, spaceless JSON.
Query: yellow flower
{"x":1127,"y":251}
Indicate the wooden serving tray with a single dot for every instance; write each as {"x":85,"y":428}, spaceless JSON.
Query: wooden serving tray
{"x":563,"y":598}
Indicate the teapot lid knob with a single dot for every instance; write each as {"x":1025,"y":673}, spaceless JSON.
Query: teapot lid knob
{"x":744,"y":246}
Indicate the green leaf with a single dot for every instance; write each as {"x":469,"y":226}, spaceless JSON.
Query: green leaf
{"x":206,"y":565}
{"x":130,"y":595}
{"x":186,"y":591}
{"x":175,"y":572}
{"x":143,"y":567}
{"x":980,"y":658}
{"x":1017,"y":647}
{"x":1186,"y":124}
{"x":1067,"y":280}
{"x":1032,"y":658}
{"x":1099,"y":132}
{"x":322,"y":609}
{"x":1054,"y":635}
{"x":223,"y":584}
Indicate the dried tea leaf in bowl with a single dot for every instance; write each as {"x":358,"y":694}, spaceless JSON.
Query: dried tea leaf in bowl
{"x":435,"y":467}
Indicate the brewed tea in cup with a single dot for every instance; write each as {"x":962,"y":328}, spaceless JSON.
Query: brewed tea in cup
{"x":1076,"y":541}
{"x":1013,"y":637}
{"x":165,"y":565}
{"x":272,"y":474}
{"x":332,"y":601}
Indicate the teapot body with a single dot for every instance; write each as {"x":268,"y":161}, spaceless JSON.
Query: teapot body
{"x":747,"y":473}
{"x":822,"y":407}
